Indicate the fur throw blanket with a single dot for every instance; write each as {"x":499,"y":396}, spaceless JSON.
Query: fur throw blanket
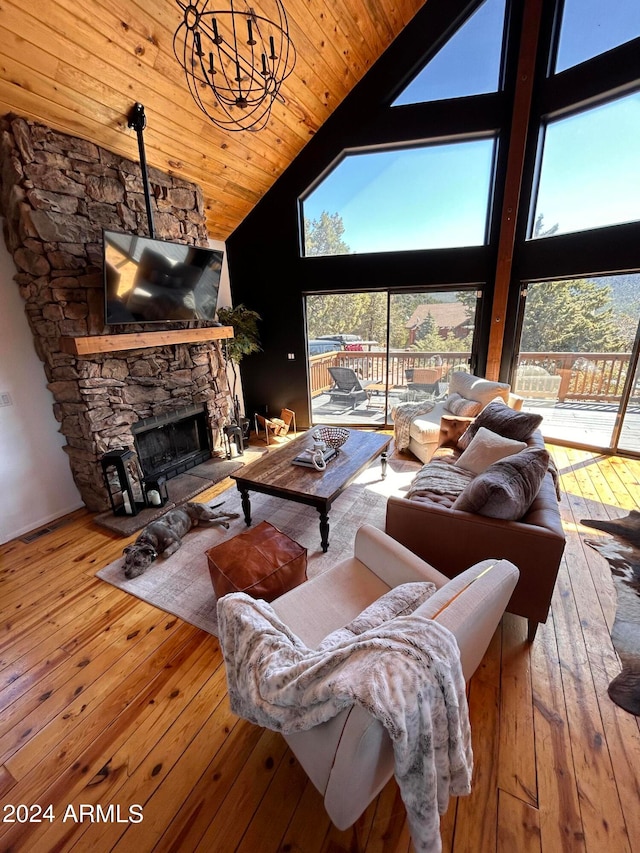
{"x":440,"y":478}
{"x":403,"y":414}
{"x":406,"y":672}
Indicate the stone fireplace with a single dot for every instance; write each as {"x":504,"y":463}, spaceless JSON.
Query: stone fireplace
{"x":57,"y":193}
{"x":168,"y":445}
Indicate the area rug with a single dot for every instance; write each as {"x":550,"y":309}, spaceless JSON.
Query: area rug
{"x":179,"y":489}
{"x":623,"y":555}
{"x":181,"y":584}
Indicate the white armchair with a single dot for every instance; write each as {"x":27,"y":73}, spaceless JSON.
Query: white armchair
{"x":350,"y":758}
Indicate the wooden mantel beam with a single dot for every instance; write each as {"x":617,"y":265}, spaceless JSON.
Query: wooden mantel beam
{"x":91,"y":344}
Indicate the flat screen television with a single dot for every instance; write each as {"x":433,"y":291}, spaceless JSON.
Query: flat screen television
{"x":153,"y":281}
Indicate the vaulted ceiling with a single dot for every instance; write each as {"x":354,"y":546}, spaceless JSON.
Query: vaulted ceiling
{"x":79,"y":66}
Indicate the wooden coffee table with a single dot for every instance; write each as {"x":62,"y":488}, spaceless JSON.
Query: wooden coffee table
{"x":275,"y":474}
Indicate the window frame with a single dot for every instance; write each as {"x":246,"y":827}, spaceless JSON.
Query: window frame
{"x":605,"y":250}
{"x":408,"y":145}
{"x":546,"y":121}
{"x":408,"y":81}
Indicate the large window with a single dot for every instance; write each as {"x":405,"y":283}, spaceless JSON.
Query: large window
{"x":468,"y":64}
{"x":427,"y":197}
{"x":590,"y":170}
{"x":591,"y":27}
{"x":370,"y":351}
{"x":577,"y":358}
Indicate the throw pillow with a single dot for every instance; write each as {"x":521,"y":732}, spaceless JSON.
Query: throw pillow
{"x":458,"y":405}
{"x":485,"y":448}
{"x":475,"y":388}
{"x":505,"y":421}
{"x":507,"y":488}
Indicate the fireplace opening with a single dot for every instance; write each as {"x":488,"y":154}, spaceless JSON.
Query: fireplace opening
{"x":170,"y":444}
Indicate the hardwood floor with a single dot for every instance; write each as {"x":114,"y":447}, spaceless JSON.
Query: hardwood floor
{"x":106,"y":701}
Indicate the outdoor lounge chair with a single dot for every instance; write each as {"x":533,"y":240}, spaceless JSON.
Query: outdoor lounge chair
{"x":347,"y":387}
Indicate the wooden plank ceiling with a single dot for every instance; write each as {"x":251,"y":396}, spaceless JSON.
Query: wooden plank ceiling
{"x":79,"y":65}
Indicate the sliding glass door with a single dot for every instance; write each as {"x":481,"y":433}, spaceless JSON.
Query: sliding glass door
{"x":368,"y":351}
{"x":577,"y":356}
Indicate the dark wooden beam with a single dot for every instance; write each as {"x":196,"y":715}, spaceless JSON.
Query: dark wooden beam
{"x":513,"y":183}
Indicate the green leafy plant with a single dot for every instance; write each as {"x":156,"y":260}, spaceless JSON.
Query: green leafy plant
{"x":245,"y":341}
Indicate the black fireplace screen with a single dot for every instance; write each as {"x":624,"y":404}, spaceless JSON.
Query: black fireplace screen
{"x":168,"y":445}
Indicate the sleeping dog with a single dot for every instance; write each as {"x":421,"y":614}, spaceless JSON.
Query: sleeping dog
{"x":164,"y":536}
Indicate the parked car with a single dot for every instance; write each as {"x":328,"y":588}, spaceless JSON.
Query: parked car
{"x":343,"y":339}
{"x":318,"y":346}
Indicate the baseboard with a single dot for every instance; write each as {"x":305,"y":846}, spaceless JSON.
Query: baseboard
{"x":34,"y":524}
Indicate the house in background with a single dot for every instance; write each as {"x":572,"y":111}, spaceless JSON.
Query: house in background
{"x":450,"y":318}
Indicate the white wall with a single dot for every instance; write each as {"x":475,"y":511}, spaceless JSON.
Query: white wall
{"x":35,"y":477}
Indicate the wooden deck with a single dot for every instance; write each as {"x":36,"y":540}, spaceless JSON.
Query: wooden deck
{"x":576,"y":422}
{"x":107,"y":701}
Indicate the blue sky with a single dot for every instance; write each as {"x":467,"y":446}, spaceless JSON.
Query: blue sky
{"x":590,"y":174}
{"x":411,"y":199}
{"x":437,"y":196}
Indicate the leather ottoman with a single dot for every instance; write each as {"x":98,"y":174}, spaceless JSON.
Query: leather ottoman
{"x":262,"y":562}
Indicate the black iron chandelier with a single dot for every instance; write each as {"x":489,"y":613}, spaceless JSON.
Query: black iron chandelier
{"x":235,"y":59}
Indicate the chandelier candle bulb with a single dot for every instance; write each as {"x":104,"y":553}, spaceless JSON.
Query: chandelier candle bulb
{"x":251,"y":41}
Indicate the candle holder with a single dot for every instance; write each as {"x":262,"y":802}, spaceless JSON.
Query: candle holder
{"x":156,"y":491}
{"x":124,"y":481}
{"x":233,"y":440}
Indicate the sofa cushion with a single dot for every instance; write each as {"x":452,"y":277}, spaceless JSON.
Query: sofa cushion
{"x":425,"y":428}
{"x":485,"y":448}
{"x":458,"y":405}
{"x":507,"y":488}
{"x":474,"y":388}
{"x":504,"y":420}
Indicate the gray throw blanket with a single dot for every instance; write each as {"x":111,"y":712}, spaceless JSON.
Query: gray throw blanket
{"x":403,"y":414}
{"x":406,"y":672}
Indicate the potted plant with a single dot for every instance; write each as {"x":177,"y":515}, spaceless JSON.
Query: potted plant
{"x":245,"y":340}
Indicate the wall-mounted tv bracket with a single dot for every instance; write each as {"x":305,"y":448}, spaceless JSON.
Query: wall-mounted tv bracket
{"x":138,"y":121}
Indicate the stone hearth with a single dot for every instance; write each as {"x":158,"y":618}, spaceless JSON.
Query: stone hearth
{"x":57,"y":194}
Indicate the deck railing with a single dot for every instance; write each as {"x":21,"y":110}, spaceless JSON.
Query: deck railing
{"x":589,"y":376}
{"x":372,"y":366}
{"x":593,"y":376}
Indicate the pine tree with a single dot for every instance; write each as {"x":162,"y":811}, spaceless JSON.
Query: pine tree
{"x":570,"y":316}
{"x":323,"y":236}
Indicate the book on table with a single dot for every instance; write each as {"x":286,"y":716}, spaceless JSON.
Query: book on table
{"x":304,"y":458}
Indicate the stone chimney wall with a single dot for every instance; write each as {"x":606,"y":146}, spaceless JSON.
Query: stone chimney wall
{"x":57,"y":193}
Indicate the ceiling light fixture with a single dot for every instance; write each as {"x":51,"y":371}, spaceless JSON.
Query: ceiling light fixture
{"x":235,"y":59}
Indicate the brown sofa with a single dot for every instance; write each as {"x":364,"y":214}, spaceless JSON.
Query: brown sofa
{"x":451,"y":540}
